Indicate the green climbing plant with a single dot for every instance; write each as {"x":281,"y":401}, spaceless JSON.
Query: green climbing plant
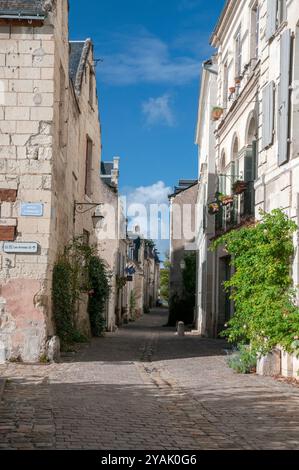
{"x":99,"y":285}
{"x":78,"y":271}
{"x":266,"y":314}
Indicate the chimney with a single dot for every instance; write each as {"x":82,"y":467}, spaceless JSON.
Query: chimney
{"x":115,"y":172}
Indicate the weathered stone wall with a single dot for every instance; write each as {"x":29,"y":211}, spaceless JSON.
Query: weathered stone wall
{"x":26,"y":129}
{"x":43,"y":129}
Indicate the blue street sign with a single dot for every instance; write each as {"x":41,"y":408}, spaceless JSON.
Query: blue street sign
{"x":32,"y":209}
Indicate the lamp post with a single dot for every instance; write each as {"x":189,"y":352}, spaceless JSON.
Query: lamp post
{"x":84,"y":207}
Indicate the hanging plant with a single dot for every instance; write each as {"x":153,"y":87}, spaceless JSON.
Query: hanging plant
{"x":238,"y":80}
{"x":213,"y":208}
{"x":217,"y":112}
{"x":226,"y":200}
{"x":239,"y":187}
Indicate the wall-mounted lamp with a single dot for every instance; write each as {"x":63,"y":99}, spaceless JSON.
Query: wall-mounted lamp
{"x":83,"y":207}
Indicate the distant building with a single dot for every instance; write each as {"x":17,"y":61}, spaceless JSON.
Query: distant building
{"x":182,"y":230}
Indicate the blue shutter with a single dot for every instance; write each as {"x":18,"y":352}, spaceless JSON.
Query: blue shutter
{"x":271,"y":18}
{"x":284,"y":96}
{"x":268,"y":115}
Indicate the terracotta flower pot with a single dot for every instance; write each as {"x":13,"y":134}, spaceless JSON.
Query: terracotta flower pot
{"x":213,"y":208}
{"x":217,"y":113}
{"x":232,"y":89}
{"x":239,"y":187}
{"x":226,"y":200}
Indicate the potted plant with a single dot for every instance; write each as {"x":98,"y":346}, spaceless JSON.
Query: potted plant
{"x":232,"y":90}
{"x":239,"y":187}
{"x":238,"y":80}
{"x":217,"y":112}
{"x":226,"y":199}
{"x":213,"y":208}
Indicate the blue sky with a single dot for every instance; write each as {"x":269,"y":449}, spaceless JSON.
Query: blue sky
{"x":148,"y":83}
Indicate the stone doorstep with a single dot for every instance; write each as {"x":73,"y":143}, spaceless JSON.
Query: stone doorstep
{"x":2,"y":386}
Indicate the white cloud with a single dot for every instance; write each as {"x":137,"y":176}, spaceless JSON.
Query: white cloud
{"x":158,"y":111}
{"x":145,"y":58}
{"x":140,"y":201}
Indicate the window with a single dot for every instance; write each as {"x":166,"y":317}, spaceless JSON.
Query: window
{"x":276,"y":14}
{"x":281,"y":11}
{"x":225,"y":85}
{"x":284,"y":96}
{"x":88,"y":167}
{"x":62,"y":124}
{"x":91,"y":87}
{"x":255,"y":31}
{"x":238,"y":54}
{"x":268,"y":115}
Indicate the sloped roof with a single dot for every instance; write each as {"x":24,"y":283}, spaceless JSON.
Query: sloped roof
{"x":78,"y":51}
{"x":183,"y":186}
{"x":106,"y":168}
{"x":22,"y":8}
{"x":106,"y":173}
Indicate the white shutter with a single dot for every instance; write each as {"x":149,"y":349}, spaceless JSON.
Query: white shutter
{"x":271,"y":18}
{"x":268,"y":115}
{"x":284,"y":96}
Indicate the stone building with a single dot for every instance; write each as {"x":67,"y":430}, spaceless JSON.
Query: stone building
{"x":256,"y":142}
{"x":112,"y":238}
{"x":183,"y":224}
{"x":143,"y":272}
{"x":205,"y":228}
{"x":50,"y":148}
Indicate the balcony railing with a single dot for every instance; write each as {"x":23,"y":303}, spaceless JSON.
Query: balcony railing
{"x":233,"y":214}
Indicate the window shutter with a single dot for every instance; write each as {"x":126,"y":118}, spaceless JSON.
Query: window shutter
{"x":283,"y":97}
{"x":222,"y":184}
{"x":271,"y":18}
{"x":248,"y":166}
{"x":268,"y":115}
{"x":255,"y":159}
{"x":249,"y":177}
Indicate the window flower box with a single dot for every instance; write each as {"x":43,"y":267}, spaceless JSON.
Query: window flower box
{"x":226,"y":200}
{"x":213,"y":208}
{"x":239,"y":187}
{"x":217,"y":112}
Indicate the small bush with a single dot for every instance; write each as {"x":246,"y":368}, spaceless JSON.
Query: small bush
{"x":243,"y":361}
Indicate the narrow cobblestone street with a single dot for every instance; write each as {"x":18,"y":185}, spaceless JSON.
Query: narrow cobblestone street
{"x":145,"y":388}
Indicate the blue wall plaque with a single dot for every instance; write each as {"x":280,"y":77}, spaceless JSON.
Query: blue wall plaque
{"x":20,"y":247}
{"x":32,"y":209}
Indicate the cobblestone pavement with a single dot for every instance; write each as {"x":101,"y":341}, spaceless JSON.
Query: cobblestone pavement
{"x":145,"y":388}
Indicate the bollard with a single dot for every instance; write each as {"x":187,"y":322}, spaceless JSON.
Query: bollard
{"x":181,"y":329}
{"x":2,"y":353}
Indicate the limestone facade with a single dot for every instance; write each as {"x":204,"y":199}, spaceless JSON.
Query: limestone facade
{"x":255,"y":134}
{"x":50,"y":148}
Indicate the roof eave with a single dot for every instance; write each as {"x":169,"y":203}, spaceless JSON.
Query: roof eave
{"x":214,"y":39}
